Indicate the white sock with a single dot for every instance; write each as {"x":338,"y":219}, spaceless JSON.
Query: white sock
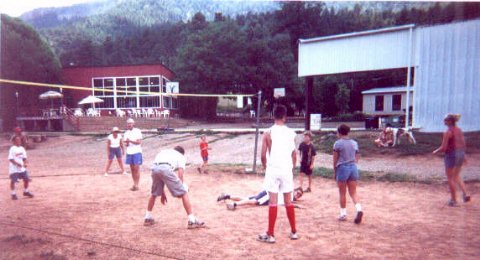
{"x":148,"y":214}
{"x":358,"y":207}
{"x":192,"y":218}
{"x":343,"y":211}
{"x":25,"y":190}
{"x":13,"y":192}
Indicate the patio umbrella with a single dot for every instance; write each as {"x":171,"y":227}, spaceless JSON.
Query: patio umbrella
{"x":90,"y":100}
{"x":50,"y":95}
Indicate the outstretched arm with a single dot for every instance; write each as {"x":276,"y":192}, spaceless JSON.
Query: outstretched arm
{"x":266,"y":145}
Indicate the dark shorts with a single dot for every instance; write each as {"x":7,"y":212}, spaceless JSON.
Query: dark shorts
{"x":19,"y":175}
{"x":347,"y":172}
{"x":262,"y":198}
{"x":114,"y":152}
{"x":306,"y":169}
{"x":134,"y":159}
{"x":205,"y":158}
{"x":454,"y":159}
{"x":164,"y":175}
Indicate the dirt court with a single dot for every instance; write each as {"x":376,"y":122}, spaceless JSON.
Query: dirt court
{"x":77,"y":213}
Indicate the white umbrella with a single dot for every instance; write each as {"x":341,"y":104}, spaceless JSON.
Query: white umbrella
{"x":90,"y":100}
{"x":50,"y":95}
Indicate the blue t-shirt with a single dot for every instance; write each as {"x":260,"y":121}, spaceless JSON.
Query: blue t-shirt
{"x":346,"y":149}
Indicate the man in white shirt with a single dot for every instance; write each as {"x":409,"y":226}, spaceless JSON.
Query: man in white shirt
{"x":133,"y":140}
{"x":279,"y":158}
{"x":17,"y":156}
{"x":163,"y":174}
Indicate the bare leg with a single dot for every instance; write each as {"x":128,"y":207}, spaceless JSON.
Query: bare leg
{"x":107,"y":167}
{"x":342,"y":189}
{"x":300,"y":175}
{"x":310,"y":181}
{"x":135,"y":174}
{"x":25,"y":184}
{"x":151,"y":203}
{"x":235,"y":198}
{"x":120,"y":163}
{"x":12,"y":185}
{"x":352,"y":190}
{"x":451,"y":183}
{"x":186,"y":204}
{"x":459,"y":180}
{"x":246,"y":202}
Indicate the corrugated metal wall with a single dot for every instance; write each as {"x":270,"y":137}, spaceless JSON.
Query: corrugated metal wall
{"x":447,"y":79}
{"x":358,"y":53}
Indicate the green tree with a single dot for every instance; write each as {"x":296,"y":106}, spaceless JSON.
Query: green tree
{"x":342,"y":98}
{"x":24,"y":56}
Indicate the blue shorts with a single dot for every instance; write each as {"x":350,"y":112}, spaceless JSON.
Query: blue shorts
{"x":347,"y":172}
{"x":114,"y":152}
{"x":205,"y":158}
{"x":454,"y":159}
{"x":262,"y":198}
{"x":134,"y":159}
{"x":19,"y":175}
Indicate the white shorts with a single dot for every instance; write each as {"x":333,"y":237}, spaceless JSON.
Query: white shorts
{"x":278,"y":180}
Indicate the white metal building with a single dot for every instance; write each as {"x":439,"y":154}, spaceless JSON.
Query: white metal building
{"x":445,"y":59}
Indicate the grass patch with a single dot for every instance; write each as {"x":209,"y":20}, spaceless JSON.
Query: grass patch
{"x":426,"y":143}
{"x":327,"y":173}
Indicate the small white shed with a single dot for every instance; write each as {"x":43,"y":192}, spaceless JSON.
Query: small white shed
{"x":386,"y":101}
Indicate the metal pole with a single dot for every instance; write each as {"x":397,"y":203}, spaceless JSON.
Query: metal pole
{"x":308,"y":95}
{"x":259,"y":102}
{"x":409,"y":72}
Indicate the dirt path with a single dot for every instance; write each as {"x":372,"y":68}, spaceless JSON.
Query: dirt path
{"x":82,"y":214}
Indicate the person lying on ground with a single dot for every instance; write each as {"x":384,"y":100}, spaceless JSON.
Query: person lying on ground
{"x":261,"y":199}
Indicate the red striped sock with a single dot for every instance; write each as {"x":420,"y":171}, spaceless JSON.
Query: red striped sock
{"x":291,"y":217}
{"x":272,"y":217}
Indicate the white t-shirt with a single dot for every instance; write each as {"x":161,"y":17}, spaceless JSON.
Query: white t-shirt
{"x":283,"y":144}
{"x":115,"y":142}
{"x":17,"y":153}
{"x":135,"y":134}
{"x":172,"y":157}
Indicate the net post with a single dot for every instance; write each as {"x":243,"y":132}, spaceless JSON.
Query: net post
{"x":257,"y":125}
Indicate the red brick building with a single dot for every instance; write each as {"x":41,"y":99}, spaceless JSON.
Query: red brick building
{"x":145,"y":84}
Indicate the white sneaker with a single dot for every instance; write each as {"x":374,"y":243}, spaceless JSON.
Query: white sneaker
{"x":342,"y":218}
{"x":293,"y":236}
{"x":125,"y":173}
{"x":106,"y":174}
{"x":266,"y":238}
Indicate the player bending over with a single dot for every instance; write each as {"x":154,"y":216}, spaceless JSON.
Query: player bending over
{"x":163,"y":173}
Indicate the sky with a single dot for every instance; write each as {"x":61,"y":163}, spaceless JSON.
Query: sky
{"x":17,"y":7}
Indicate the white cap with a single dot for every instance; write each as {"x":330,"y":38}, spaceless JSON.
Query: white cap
{"x":130,"y":121}
{"x":115,"y":129}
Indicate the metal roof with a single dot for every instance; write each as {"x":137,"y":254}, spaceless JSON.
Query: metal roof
{"x":386,"y":90}
{"x":354,"y":34}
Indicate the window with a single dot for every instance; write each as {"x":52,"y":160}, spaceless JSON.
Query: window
{"x":378,"y":103}
{"x":174,"y":103}
{"x":126,"y":102}
{"x":166,"y":102}
{"x":164,"y":85}
{"x":397,"y":102}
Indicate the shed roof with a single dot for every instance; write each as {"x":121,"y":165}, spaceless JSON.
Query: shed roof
{"x":386,"y":90}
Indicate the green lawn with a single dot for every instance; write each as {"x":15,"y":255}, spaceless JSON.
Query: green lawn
{"x":426,"y":143}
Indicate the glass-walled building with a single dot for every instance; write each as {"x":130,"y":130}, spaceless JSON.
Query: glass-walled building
{"x":122,"y":87}
{"x":133,"y":92}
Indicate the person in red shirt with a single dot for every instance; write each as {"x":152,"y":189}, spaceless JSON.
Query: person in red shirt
{"x":204,"y":153}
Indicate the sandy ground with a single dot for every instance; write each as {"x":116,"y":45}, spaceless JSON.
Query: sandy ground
{"x":78,"y":213}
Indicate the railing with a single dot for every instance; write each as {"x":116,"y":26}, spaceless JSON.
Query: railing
{"x":69,"y":115}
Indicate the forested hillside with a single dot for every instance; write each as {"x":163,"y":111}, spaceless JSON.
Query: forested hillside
{"x":214,"y":52}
